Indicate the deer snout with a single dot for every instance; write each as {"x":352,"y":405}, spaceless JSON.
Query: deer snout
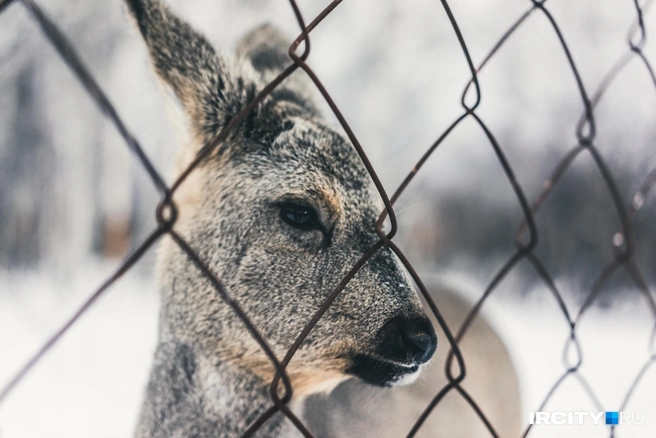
{"x":406,"y":339}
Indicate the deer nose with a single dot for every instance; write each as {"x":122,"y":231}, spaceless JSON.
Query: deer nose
{"x":421,"y":342}
{"x":407,"y":339}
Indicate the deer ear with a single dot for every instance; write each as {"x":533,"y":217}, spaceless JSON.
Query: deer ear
{"x":209,"y":91}
{"x":266,"y":49}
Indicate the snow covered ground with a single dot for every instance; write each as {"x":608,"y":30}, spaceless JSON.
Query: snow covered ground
{"x":91,"y":383}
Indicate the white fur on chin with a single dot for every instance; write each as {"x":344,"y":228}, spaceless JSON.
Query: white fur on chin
{"x":408,"y":379}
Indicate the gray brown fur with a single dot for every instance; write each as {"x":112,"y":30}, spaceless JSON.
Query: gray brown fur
{"x":209,"y":377}
{"x":356,"y":410}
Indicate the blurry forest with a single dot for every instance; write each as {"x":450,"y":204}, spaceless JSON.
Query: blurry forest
{"x":69,"y":188}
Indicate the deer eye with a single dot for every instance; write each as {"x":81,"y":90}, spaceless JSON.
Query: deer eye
{"x":300,"y":216}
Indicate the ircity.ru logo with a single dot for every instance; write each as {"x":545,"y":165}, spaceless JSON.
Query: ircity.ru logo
{"x":581,"y":417}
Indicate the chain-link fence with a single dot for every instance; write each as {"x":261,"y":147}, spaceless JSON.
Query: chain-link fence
{"x":527,"y":235}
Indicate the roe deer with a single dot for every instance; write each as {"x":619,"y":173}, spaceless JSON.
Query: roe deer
{"x":281,"y":211}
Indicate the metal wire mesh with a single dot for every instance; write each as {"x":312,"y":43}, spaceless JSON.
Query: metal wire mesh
{"x":526,"y":236}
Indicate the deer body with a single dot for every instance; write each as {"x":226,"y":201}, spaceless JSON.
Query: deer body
{"x":280,"y":211}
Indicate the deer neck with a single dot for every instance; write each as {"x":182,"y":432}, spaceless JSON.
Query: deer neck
{"x":188,"y":396}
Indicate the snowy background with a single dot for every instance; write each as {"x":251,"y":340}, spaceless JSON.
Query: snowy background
{"x":72,"y":199}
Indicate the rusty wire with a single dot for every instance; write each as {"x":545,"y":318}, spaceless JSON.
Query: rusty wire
{"x":622,"y":242}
